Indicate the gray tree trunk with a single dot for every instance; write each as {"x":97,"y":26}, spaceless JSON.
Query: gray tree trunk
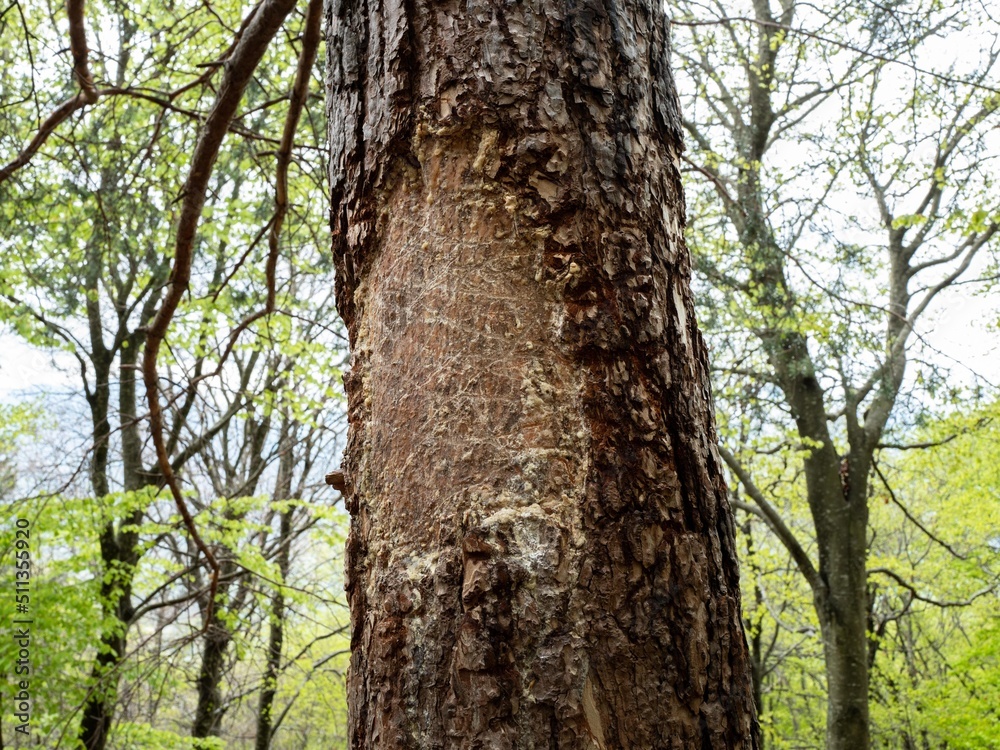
{"x":119,"y":543}
{"x":276,"y":619}
{"x":541,"y":552}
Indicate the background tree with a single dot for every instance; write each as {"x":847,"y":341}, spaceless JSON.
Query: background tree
{"x":822,"y":294}
{"x":88,"y":208}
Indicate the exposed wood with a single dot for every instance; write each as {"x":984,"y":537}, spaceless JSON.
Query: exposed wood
{"x":336,"y":480}
{"x":541,"y":552}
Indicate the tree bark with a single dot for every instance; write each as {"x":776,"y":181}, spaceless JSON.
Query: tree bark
{"x":541,"y":552}
{"x":117,"y":551}
{"x":842,"y":606}
{"x":209,"y":709}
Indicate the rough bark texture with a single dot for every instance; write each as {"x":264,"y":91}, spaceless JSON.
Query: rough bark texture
{"x":541,"y":552}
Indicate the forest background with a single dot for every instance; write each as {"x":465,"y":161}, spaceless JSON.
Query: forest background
{"x":841,"y":173}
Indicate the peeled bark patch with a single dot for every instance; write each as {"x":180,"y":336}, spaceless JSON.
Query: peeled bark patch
{"x":541,"y":554}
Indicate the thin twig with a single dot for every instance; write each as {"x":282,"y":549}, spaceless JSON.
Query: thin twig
{"x":843,"y":45}
{"x":911,"y":518}
{"x":86,"y":95}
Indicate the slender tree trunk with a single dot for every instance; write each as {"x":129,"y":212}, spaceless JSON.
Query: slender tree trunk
{"x":119,"y":548}
{"x":208,"y":712}
{"x":836,"y":488}
{"x":276,"y":637}
{"x":843,"y":618}
{"x":96,"y":715}
{"x":756,"y":636}
{"x":838,"y":503}
{"x":99,"y":708}
{"x":541,"y":552}
{"x":217,"y":639}
{"x":844,"y":651}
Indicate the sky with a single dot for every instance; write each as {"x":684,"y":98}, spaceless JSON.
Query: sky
{"x":24,"y":369}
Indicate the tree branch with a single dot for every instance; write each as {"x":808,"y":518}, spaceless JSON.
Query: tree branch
{"x":774,"y":521}
{"x":86,"y":95}
{"x":843,"y":45}
{"x":268,"y":18}
{"x":911,"y":518}
{"x":926,"y":599}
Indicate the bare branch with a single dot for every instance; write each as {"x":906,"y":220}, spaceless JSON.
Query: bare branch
{"x":928,"y":600}
{"x":86,"y":95}
{"x":246,"y":55}
{"x":843,"y":45}
{"x":774,"y":521}
{"x":910,"y":517}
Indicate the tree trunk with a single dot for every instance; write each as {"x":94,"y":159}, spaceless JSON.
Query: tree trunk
{"x":836,"y":488}
{"x":837,"y":492}
{"x":276,"y":640}
{"x":843,"y":617}
{"x":95,"y":721}
{"x":119,"y":543}
{"x":758,"y":654}
{"x":541,"y":552}
{"x":218,"y":637}
{"x":276,"y":620}
{"x":847,"y":682}
{"x":209,"y":711}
